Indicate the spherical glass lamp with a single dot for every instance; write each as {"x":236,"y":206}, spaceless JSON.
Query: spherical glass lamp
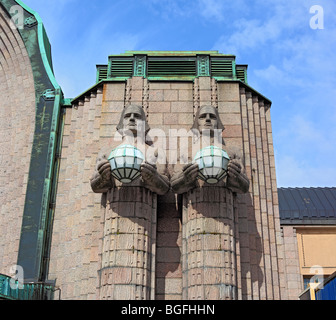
{"x":213,"y":164}
{"x":125,"y":163}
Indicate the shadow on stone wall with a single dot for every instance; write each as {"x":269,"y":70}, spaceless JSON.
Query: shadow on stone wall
{"x":130,"y":203}
{"x":169,"y":246}
{"x":251,"y":248}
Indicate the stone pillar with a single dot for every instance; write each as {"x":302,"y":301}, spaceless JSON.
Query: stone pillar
{"x":209,"y":244}
{"x":128,"y":253}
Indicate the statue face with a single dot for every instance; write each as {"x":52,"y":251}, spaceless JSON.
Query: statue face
{"x":207,"y":119}
{"x":133,"y":119}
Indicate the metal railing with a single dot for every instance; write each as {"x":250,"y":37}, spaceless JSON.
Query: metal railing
{"x":11,"y":289}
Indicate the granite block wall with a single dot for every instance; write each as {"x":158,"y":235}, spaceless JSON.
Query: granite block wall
{"x":78,"y":232}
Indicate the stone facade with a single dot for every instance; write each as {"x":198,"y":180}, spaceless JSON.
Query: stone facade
{"x":77,"y":231}
{"x":292,"y":263}
{"x":77,"y":253}
{"x":130,"y":243}
{"x":17,"y":123}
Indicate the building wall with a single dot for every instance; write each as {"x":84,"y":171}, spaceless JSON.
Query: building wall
{"x":77,"y":231}
{"x":90,"y":126}
{"x":262,"y":266}
{"x":17,"y":124}
{"x":309,"y":253}
{"x":292,"y":263}
{"x":270,"y":264}
{"x":316,"y":246}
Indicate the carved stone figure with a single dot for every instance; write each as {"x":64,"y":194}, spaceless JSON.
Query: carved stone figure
{"x":130,"y":211}
{"x":210,"y":217}
{"x":206,"y":122}
{"x":133,"y":128}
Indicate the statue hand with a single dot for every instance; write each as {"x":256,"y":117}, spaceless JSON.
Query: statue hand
{"x":154,"y":181}
{"x":237,"y":180}
{"x":234,"y":168}
{"x":148,"y":171}
{"x":185,"y":180}
{"x":102,"y":180}
{"x":104,"y":169}
{"x":190,"y":172}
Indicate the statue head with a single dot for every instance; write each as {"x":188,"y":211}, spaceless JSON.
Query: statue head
{"x":207,"y":118}
{"x":133,"y":119}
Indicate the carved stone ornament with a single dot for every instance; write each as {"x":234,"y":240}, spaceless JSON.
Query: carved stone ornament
{"x":133,"y":128}
{"x":207,"y":120}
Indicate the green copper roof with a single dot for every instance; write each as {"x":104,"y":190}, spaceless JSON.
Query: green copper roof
{"x":171,"y":66}
{"x":173,"y":53}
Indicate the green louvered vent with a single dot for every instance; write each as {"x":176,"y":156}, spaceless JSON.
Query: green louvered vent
{"x":101,"y":73}
{"x":121,"y":68}
{"x":221,"y":68}
{"x":241,"y":72}
{"x":183,"y":67}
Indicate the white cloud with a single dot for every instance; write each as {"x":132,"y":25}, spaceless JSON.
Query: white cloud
{"x":251,"y":33}
{"x":211,"y":9}
{"x":305,"y":152}
{"x":221,"y":11}
{"x":292,"y":172}
{"x":310,"y":133}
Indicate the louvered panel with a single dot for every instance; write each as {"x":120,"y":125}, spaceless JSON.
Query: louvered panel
{"x":221,"y":68}
{"x":241,"y":73}
{"x":102,"y":73}
{"x":121,"y":68}
{"x":171,"y":68}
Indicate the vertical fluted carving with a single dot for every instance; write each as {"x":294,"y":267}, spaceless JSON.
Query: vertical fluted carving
{"x":209,"y":254}
{"x":128,"y":252}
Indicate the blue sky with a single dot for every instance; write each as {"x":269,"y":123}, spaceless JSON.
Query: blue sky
{"x":289,"y":62}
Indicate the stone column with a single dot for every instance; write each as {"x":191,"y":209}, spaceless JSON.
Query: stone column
{"x":128,"y":252}
{"x":209,"y":244}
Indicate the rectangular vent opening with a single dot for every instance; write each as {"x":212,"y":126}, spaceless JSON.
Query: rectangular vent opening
{"x":171,"y":67}
{"x":102,"y":73}
{"x":121,"y":68}
{"x":241,"y":72}
{"x":221,"y":68}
